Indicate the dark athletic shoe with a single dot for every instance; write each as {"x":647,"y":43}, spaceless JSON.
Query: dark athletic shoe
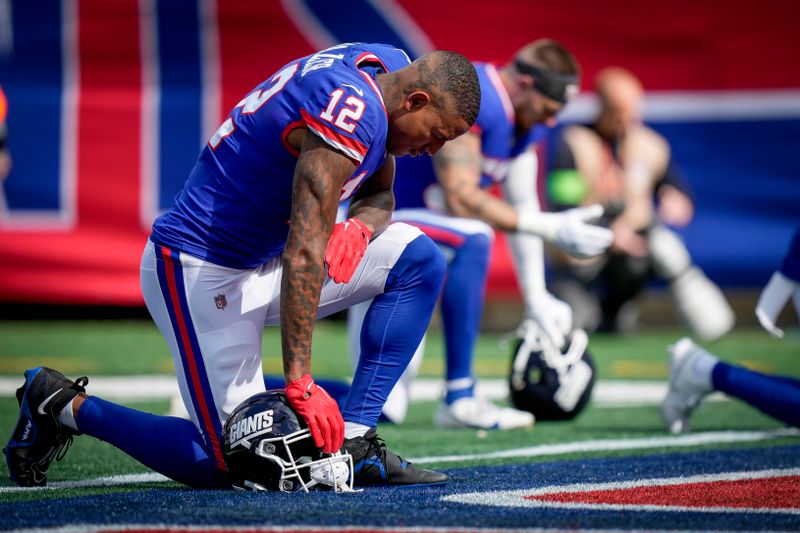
{"x":39,"y":437}
{"x":374,"y":464}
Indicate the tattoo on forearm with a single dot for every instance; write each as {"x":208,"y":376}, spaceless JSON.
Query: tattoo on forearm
{"x":314,"y":200}
{"x":447,"y":158}
{"x":481,"y":205}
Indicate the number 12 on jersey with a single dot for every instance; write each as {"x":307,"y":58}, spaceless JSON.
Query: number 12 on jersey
{"x":348,"y":115}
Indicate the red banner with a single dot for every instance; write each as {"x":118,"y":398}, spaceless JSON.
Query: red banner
{"x":108,"y":102}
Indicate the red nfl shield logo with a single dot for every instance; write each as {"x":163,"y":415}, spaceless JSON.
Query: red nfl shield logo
{"x":220,"y":301}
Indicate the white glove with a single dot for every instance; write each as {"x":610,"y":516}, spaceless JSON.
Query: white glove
{"x":668,"y":252}
{"x":569,"y":230}
{"x":772,"y":300}
{"x":552,"y":316}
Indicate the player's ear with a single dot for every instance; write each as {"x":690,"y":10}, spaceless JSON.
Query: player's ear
{"x":526,"y":81}
{"x":417,"y":100}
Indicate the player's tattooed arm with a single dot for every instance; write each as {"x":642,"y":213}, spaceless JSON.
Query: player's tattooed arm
{"x":463,"y":155}
{"x":373,"y":203}
{"x":318,"y":179}
{"x":458,"y":169}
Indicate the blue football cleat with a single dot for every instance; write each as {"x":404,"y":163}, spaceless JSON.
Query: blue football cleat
{"x":39,"y":437}
{"x":374,"y":464}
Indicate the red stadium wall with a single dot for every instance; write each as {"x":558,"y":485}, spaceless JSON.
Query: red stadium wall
{"x":87,"y":250}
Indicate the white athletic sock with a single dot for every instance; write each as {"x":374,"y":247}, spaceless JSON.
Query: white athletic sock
{"x":459,"y":384}
{"x":353,"y":430}
{"x":66,"y":417}
{"x":702,"y":368}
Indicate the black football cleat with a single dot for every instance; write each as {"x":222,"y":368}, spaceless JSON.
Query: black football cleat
{"x":374,"y":464}
{"x":39,"y":437}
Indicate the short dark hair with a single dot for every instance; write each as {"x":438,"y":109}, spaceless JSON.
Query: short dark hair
{"x":454,"y":76}
{"x":550,"y":55}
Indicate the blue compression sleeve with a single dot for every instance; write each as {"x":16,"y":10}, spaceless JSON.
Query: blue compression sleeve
{"x":776,"y":396}
{"x":171,"y":446}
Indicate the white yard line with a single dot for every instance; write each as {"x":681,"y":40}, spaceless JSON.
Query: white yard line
{"x":608,"y":445}
{"x":707,"y":438}
{"x":607,"y":393}
{"x":113,"y":387}
{"x":110,"y":481}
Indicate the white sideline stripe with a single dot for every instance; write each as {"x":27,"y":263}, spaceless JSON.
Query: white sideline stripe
{"x":712,"y":437}
{"x":520,"y":498}
{"x":113,"y":387}
{"x":110,"y":481}
{"x":605,"y":445}
{"x":607,"y":393}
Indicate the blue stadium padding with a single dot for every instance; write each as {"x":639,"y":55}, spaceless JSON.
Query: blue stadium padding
{"x":747,"y":202}
{"x":180,"y":113}
{"x":32,"y":78}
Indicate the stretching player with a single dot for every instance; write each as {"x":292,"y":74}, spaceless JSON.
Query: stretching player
{"x":624,"y":165}
{"x":447,"y":199}
{"x":245,"y":244}
{"x":694,"y":372}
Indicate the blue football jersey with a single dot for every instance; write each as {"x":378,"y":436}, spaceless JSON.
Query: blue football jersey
{"x":235,"y":207}
{"x":791,"y":262}
{"x":499,"y":144}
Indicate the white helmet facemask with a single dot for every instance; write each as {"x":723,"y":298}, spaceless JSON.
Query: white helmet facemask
{"x":301,"y":473}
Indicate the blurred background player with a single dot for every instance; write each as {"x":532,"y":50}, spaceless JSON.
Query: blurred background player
{"x":5,"y":156}
{"x":447,"y":199}
{"x":627,"y":167}
{"x":251,"y":240}
{"x":695,"y":373}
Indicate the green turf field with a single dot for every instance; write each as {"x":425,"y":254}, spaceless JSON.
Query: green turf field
{"x":136,"y":347}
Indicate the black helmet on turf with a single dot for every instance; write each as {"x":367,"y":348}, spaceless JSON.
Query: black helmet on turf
{"x":552,"y":384}
{"x":267,"y":446}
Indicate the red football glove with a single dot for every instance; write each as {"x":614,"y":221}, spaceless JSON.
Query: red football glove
{"x":348,"y":242}
{"x":320,"y":412}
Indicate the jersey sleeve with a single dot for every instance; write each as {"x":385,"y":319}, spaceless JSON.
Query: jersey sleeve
{"x":345,"y":112}
{"x":496,"y":132}
{"x":673,"y":177}
{"x":791,"y":263}
{"x":560,"y":154}
{"x":535,"y":135}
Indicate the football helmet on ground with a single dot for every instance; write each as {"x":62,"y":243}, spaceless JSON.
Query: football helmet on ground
{"x":552,"y":384}
{"x":267,"y":446}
